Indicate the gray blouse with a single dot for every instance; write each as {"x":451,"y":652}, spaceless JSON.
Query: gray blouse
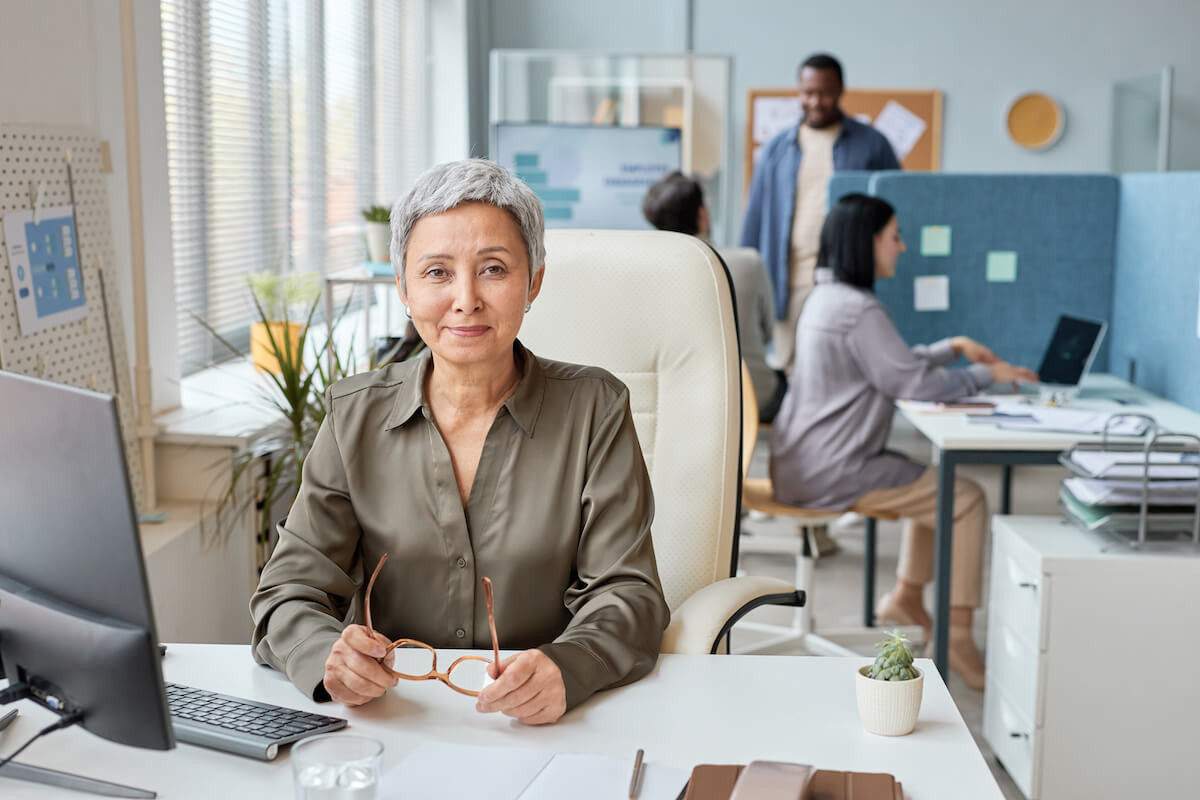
{"x":828,"y":443}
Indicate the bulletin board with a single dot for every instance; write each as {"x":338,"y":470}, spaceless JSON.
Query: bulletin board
{"x":769,"y":111}
{"x":85,"y":345}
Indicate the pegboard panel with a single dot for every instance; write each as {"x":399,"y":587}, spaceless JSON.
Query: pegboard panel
{"x":75,"y":353}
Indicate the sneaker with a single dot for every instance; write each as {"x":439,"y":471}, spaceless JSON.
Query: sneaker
{"x":825,"y":544}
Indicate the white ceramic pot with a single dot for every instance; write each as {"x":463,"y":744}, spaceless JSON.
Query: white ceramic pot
{"x":888,"y":708}
{"x":379,"y":240}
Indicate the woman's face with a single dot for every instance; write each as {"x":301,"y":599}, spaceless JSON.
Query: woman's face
{"x":467,"y":276}
{"x":888,"y":247}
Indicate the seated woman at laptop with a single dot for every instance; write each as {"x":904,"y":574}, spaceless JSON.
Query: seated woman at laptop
{"x":828,"y":445}
{"x":476,"y":459}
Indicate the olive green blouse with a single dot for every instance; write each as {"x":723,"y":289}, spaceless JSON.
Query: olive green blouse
{"x":558,"y":517}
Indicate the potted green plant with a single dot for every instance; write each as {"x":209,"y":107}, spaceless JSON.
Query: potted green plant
{"x":379,"y":233}
{"x":889,"y":689}
{"x":277,"y":331}
{"x":294,"y":385}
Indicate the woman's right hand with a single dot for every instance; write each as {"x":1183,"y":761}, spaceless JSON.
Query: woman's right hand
{"x":353,"y":672}
{"x":1003,"y":372}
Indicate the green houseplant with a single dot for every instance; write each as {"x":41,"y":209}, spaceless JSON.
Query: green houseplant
{"x":294,"y":378}
{"x":889,"y":689}
{"x":379,"y":233}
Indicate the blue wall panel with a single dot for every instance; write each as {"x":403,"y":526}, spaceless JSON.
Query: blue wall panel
{"x":1062,"y":227}
{"x":1157,"y":285}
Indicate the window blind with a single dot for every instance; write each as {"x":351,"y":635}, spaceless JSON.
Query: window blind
{"x":284,"y":119}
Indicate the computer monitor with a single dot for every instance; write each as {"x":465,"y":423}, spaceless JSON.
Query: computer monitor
{"x":1071,"y":351}
{"x":75,"y":618}
{"x":588,"y":176}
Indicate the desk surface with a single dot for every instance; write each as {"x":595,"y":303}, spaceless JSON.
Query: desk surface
{"x":689,"y":710}
{"x":950,"y":431}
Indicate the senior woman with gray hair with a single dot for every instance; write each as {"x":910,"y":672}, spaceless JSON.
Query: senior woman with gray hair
{"x":476,"y":459}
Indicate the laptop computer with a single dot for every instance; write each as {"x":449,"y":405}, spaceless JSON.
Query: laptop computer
{"x":1071,"y":351}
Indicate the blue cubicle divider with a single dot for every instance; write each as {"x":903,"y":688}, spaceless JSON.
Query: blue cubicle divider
{"x":1062,"y":228}
{"x":1157,"y":285}
{"x":843,"y":183}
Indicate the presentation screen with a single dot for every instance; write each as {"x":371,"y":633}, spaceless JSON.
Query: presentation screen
{"x":588,"y":176}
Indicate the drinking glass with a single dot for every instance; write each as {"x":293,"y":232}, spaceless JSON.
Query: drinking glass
{"x":336,"y":766}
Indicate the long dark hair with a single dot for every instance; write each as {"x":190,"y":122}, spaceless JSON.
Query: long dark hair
{"x":848,"y":238}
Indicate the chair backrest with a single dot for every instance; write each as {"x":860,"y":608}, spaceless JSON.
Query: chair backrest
{"x":749,"y":420}
{"x":656,"y":310}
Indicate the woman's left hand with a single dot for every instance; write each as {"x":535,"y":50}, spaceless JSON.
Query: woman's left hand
{"x":528,"y":687}
{"x":972,"y":350}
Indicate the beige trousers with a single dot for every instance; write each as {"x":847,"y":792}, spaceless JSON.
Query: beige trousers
{"x":917,"y":504}
{"x":784,"y":335}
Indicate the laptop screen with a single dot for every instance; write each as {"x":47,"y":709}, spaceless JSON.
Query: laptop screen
{"x":1071,"y":350}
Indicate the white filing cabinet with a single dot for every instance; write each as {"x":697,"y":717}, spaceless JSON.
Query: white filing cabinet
{"x":1093,"y":664}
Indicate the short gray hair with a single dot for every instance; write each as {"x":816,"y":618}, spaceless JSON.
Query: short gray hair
{"x":473,"y":180}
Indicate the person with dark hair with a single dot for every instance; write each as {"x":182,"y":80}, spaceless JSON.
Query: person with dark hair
{"x":828,"y":444}
{"x":789,"y":191}
{"x":675,"y":202}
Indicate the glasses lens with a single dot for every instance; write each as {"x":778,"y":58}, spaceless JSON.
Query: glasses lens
{"x":470,"y":675}
{"x":412,"y":660}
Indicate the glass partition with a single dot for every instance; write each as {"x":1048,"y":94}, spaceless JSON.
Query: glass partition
{"x":688,"y":92}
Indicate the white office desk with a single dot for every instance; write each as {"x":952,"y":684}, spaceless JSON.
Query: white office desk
{"x":689,"y":710}
{"x":956,"y":441}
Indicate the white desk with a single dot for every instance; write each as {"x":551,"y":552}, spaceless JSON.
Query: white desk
{"x":957,"y":441}
{"x":690,"y":710}
{"x":359,"y":276}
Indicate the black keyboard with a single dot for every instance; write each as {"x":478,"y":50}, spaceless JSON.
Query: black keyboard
{"x":240,"y":726}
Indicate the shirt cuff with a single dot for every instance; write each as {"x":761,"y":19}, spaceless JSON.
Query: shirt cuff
{"x":582,"y":673}
{"x":941,"y":353}
{"x":981,"y":376}
{"x":305,"y":666}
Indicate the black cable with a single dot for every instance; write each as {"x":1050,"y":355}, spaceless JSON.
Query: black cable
{"x":67,"y":721}
{"x":17,"y":691}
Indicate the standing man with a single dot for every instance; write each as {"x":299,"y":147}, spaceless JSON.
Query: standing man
{"x":676,"y":203}
{"x":791,"y":187}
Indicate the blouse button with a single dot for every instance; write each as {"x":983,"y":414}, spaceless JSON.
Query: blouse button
{"x":460,"y":633}
{"x":462,"y":562}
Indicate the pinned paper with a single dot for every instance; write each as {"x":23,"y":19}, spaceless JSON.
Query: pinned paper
{"x":935,"y":240}
{"x":931,"y":293}
{"x":901,"y":127}
{"x":1001,"y":266}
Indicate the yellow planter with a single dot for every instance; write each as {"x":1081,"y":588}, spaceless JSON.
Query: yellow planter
{"x":287,"y":338}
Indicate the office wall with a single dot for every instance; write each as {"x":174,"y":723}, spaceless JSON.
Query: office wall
{"x":60,"y":64}
{"x":981,"y":54}
{"x":1156,"y":294}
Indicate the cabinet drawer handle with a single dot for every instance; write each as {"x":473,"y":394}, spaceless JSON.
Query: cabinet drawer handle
{"x":1028,"y":585}
{"x":1018,"y":735}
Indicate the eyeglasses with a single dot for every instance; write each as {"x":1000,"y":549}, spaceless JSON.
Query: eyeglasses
{"x":418,"y":661}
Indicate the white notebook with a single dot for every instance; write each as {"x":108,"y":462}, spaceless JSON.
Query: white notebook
{"x":441,"y":771}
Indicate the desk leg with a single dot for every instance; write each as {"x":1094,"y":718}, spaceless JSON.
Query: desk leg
{"x":869,"y":574}
{"x":943,"y":547}
{"x":1006,"y":489}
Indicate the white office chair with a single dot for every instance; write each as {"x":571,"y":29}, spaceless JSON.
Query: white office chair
{"x":655,"y":309}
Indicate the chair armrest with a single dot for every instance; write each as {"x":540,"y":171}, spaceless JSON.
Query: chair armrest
{"x":702,"y":620}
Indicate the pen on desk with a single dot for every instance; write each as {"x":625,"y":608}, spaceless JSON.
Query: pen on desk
{"x":637,"y":771}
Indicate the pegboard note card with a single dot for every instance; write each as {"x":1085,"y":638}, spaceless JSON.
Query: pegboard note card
{"x":43,"y":257}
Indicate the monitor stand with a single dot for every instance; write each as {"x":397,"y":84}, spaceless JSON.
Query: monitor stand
{"x":15,"y":770}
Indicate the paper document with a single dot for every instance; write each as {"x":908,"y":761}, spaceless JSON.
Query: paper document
{"x":1131,"y":465}
{"x":958,"y":407}
{"x":931,"y":293}
{"x":901,"y":127}
{"x":1026,"y":417}
{"x":1129,"y":492}
{"x":441,"y":771}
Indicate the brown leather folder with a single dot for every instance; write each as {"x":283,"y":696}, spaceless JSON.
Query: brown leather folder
{"x":716,"y":782}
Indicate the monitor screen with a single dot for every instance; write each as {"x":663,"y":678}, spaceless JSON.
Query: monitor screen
{"x":588,"y":176}
{"x":1071,"y":350}
{"x":75,"y":615}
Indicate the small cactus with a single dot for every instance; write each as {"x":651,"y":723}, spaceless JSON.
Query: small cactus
{"x":894,"y":662}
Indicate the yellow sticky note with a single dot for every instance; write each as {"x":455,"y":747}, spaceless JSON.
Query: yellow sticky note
{"x":935,"y":240}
